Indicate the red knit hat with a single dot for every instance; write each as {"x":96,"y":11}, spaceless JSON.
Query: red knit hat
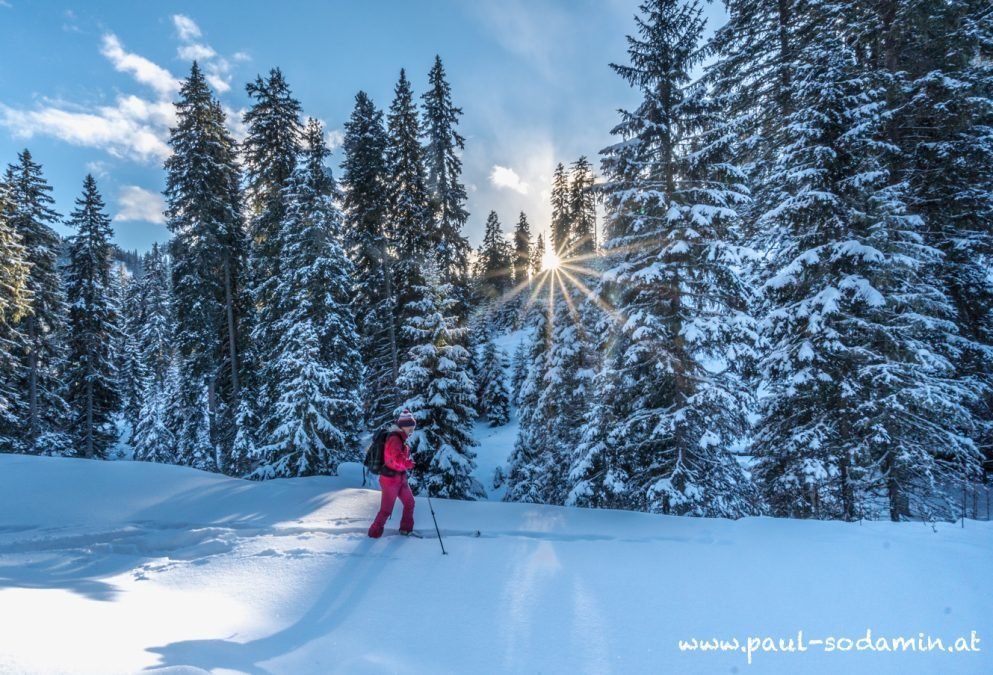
{"x":406,"y":419}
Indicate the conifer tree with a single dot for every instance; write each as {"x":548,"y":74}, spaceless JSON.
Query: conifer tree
{"x":566,"y":393}
{"x":522,"y":251}
{"x":409,"y":209}
{"x":441,"y":395}
{"x":938,"y":62}
{"x":154,"y":336}
{"x":126,"y":295}
{"x":561,"y":232}
{"x":496,"y":261}
{"x":582,"y":209}
{"x":364,"y":179}
{"x":495,"y":398}
{"x":317,"y":416}
{"x":672,"y":193}
{"x":443,"y":166}
{"x":862,"y":398}
{"x":43,"y":359}
{"x":14,"y":304}
{"x":527,"y":476}
{"x":154,"y":440}
{"x":538,"y":256}
{"x":92,"y":379}
{"x":208,"y":250}
{"x":270,"y":154}
{"x":519,"y":372}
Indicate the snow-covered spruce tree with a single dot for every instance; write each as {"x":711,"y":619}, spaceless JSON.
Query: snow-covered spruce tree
{"x":409,"y":220}
{"x":154,"y":440}
{"x":939,"y":57}
{"x":14,"y":304}
{"x":538,"y":256}
{"x":561,"y":231}
{"x":521,"y":267}
{"x":92,"y":386}
{"x":443,"y":165}
{"x":863,"y":400}
{"x":518,"y":372}
{"x":522,"y":250}
{"x":318,"y":414}
{"x":270,"y":152}
{"x":495,"y":398}
{"x":566,"y":392}
{"x":154,"y":336}
{"x":495,"y":280}
{"x":208,"y":250}
{"x":527,"y":477}
{"x":582,"y":209}
{"x":672,"y":194}
{"x":364,"y":179}
{"x":441,"y":395}
{"x":130,"y":308}
{"x":43,"y":359}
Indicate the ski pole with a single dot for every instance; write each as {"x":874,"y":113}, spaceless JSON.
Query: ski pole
{"x":433,"y":517}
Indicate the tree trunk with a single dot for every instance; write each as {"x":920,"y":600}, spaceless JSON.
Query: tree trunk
{"x":232,"y":335}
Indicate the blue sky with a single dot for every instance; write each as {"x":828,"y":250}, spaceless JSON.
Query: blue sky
{"x":88,"y":86}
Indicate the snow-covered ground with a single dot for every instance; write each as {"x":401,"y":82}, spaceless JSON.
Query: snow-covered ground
{"x":122,"y":567}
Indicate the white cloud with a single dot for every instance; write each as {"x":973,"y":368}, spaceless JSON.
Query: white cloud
{"x":196,"y":52}
{"x":503,"y":177}
{"x":242,"y":56}
{"x":216,"y":69}
{"x":219,"y":81}
{"x":140,"y":204}
{"x":133,"y":129}
{"x":334,"y":138}
{"x":143,"y":70}
{"x":186,"y":27}
{"x":98,"y":169}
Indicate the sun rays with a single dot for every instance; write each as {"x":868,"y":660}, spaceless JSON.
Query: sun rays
{"x":568,"y":275}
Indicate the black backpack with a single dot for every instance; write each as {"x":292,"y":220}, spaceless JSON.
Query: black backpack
{"x":374,"y":453}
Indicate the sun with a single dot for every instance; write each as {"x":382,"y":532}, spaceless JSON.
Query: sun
{"x":550,"y":262}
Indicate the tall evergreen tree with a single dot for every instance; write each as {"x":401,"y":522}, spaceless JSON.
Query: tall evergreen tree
{"x":316,"y":420}
{"x":208,"y":249}
{"x":409,"y":222}
{"x":92,"y":378}
{"x":561,"y":212}
{"x":496,"y":261}
{"x":530,"y":462}
{"x":14,"y":304}
{"x":155,"y":332}
{"x":154,"y":440}
{"x":938,"y":60}
{"x":522,"y":251}
{"x":862,"y":396}
{"x":672,"y":195}
{"x":448,"y":195}
{"x":270,"y":154}
{"x":538,"y":256}
{"x":130,"y":309}
{"x":43,"y":360}
{"x":582,"y":209}
{"x":441,"y":395}
{"x":364,"y":179}
{"x":495,"y":398}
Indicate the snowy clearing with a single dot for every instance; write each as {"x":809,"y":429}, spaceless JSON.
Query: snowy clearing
{"x":120,"y":567}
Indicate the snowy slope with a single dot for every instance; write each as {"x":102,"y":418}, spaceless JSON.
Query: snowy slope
{"x":118,"y":567}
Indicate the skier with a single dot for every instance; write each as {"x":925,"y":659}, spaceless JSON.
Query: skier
{"x":393,"y":478}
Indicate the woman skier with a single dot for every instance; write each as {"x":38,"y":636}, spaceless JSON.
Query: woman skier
{"x":393,"y":478}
